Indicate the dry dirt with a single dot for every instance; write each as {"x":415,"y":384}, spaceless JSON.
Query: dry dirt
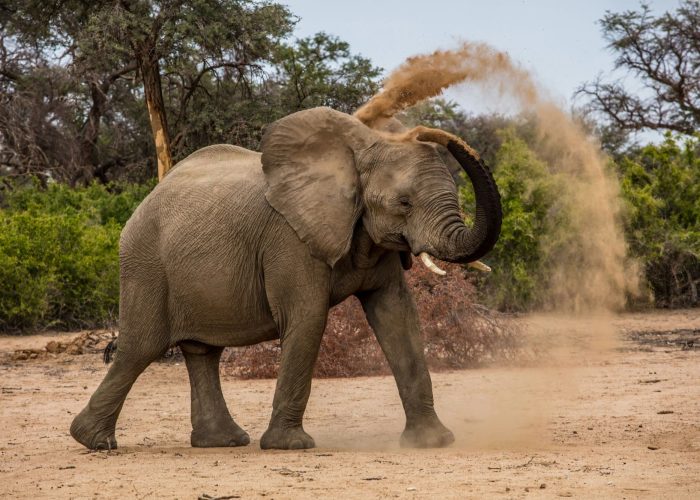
{"x":621,"y":425}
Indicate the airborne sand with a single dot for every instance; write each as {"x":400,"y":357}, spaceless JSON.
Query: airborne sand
{"x":589,"y":269}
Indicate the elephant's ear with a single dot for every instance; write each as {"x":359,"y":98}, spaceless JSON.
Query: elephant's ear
{"x":309,"y":163}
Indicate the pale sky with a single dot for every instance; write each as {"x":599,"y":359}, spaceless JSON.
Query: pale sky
{"x":560,"y":42}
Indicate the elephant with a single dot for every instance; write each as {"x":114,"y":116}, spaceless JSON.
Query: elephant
{"x":235,"y":247}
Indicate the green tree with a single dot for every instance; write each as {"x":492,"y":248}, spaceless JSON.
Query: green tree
{"x":321,"y":71}
{"x":230,"y":36}
{"x":148,"y":42}
{"x":315,"y":71}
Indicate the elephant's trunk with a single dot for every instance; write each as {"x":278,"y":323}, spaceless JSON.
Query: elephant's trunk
{"x":457,"y":242}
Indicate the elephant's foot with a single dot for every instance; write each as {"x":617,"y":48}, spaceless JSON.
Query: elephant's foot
{"x":93,"y":433}
{"x":219,"y":436}
{"x":431,"y":434}
{"x":293,"y":438}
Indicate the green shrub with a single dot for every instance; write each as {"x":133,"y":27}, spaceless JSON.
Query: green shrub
{"x":59,"y":254}
{"x":97,"y":202}
{"x":661,"y":185}
{"x":528,"y":194}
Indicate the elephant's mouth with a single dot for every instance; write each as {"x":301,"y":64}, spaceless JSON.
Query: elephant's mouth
{"x":399,"y":242}
{"x":418,"y":251}
{"x":396,"y":242}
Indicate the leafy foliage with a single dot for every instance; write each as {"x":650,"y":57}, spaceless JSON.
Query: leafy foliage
{"x":661,"y":185}
{"x":321,"y":71}
{"x":59,"y":254}
{"x":529,"y":193}
{"x":315,"y":71}
{"x":97,"y":203}
{"x":660,"y":189}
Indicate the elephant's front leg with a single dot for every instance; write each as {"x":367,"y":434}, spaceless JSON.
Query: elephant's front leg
{"x":392,"y":314}
{"x":300,"y":313}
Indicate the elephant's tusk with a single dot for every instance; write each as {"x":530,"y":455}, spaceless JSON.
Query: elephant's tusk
{"x":477,"y":264}
{"x":428,"y":262}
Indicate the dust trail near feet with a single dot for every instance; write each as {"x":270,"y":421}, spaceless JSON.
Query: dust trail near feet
{"x":588,"y":269}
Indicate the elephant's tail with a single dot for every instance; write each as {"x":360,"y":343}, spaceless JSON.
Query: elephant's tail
{"x":110,"y":349}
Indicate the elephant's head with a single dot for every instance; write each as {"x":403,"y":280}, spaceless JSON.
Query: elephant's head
{"x":326,"y":170}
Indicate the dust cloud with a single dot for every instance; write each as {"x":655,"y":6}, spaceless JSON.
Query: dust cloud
{"x":588,"y":270}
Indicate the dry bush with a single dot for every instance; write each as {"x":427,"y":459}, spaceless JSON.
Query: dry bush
{"x":457,"y":333}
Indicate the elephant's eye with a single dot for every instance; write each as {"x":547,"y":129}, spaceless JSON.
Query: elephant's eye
{"x":405,"y":202}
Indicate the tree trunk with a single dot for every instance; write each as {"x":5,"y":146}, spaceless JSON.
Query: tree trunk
{"x":91,"y":130}
{"x":90,"y":166}
{"x":89,"y":135}
{"x":150,"y":71}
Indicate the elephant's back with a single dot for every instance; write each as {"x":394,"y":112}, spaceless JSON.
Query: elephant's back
{"x":212,"y":180}
{"x":216,"y":154}
{"x":215,"y":166}
{"x":218,"y":188}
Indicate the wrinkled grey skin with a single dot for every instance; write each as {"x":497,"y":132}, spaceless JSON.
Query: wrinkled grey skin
{"x":233,"y":248}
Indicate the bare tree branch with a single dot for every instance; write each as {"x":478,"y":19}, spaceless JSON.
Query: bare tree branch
{"x":663,"y":54}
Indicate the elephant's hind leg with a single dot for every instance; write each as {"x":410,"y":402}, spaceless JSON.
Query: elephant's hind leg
{"x":94,"y":426}
{"x":212,"y":424}
{"x":143,"y":338}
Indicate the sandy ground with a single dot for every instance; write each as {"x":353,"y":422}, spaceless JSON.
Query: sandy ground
{"x":621,"y":425}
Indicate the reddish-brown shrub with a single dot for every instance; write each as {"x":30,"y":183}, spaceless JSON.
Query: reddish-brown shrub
{"x":457,"y":333}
